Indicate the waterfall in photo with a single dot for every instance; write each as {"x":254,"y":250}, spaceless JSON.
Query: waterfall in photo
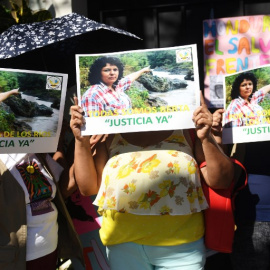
{"x":183,"y":96}
{"x":41,"y":123}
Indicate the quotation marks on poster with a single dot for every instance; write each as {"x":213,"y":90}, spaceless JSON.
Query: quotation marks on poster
{"x":257,"y":130}
{"x":138,"y":121}
{"x":22,"y":143}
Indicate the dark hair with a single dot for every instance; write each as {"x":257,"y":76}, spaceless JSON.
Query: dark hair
{"x":239,"y":79}
{"x":94,"y":75}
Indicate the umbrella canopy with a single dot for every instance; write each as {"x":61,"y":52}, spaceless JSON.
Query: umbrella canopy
{"x":22,"y":38}
{"x":52,"y":45}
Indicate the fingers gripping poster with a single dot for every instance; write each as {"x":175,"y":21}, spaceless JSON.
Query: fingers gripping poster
{"x":138,"y":90}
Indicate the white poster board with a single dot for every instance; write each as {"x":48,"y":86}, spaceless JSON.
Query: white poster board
{"x":161,"y":98}
{"x":31,"y":110}
{"x":247,"y":104}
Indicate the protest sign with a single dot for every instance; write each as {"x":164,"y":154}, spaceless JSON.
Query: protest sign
{"x":232,"y":45}
{"x":142,"y":90}
{"x":31,"y":110}
{"x":247,"y":104}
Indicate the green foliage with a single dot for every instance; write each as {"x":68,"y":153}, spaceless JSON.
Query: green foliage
{"x":263,"y":79}
{"x":266,"y":103}
{"x":138,"y":98}
{"x":32,"y":82}
{"x":85,"y":63}
{"x":134,"y":62}
{"x":166,"y":60}
{"x":20,"y":14}
{"x":35,"y":85}
{"x":6,"y":120}
{"x":6,"y":19}
{"x":160,"y":59}
{"x":8,"y":81}
{"x":229,"y":82}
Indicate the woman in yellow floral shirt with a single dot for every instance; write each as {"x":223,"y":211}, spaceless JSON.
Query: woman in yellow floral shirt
{"x":149,"y":192}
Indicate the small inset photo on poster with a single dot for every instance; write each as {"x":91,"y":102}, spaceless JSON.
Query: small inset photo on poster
{"x":216,"y":90}
{"x":247,"y":106}
{"x":142,"y":90}
{"x":31,"y":110}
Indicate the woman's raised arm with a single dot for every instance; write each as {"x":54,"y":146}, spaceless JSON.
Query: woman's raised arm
{"x":135,"y":75}
{"x":219,"y":170}
{"x":86,"y":170}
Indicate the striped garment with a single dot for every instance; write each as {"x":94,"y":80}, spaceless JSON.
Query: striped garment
{"x":99,"y":98}
{"x":241,"y":113}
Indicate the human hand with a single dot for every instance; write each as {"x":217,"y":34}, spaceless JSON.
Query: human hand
{"x":202,"y":119}
{"x":217,"y":121}
{"x":15,"y":91}
{"x":96,"y":138}
{"x":77,"y":120}
{"x":146,"y":69}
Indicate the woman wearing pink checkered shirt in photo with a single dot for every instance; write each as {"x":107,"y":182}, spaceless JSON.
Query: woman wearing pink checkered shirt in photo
{"x":108,"y":87}
{"x":244,"y":109}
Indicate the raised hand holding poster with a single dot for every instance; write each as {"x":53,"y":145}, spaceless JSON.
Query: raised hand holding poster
{"x":31,"y":110}
{"x":140,"y":90}
{"x":232,"y":45}
{"x":247,"y":106}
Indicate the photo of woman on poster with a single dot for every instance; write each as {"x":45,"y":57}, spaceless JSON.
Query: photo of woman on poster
{"x":142,"y":89}
{"x":108,"y":87}
{"x":245,"y":107}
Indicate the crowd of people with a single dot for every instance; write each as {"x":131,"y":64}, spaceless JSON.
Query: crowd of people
{"x":147,"y":185}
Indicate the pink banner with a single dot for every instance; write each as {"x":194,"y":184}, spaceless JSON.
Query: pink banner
{"x":232,"y":45}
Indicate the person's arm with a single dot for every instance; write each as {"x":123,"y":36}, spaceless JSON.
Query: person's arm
{"x":265,"y":89}
{"x":87,"y":170}
{"x":216,"y":129}
{"x":5,"y":95}
{"x":67,"y":183}
{"x":135,"y":75}
{"x":219,"y":170}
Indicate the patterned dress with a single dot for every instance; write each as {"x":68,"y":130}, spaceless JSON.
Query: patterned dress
{"x":161,"y":179}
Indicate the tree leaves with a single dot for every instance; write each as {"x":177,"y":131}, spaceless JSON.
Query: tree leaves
{"x":20,"y":14}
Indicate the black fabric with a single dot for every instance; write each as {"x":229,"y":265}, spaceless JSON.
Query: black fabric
{"x":13,"y":229}
{"x":256,"y":162}
{"x":257,"y":158}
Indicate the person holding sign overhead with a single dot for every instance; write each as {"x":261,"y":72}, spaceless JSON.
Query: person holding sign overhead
{"x":149,"y":192}
{"x":108,"y":87}
{"x":244,"y":109}
{"x":251,"y":247}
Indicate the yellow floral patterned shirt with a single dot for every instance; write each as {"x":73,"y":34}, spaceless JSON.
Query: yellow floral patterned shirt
{"x":162,"y":179}
{"x":151,"y":195}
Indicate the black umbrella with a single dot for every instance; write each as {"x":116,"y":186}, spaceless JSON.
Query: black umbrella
{"x":52,"y":45}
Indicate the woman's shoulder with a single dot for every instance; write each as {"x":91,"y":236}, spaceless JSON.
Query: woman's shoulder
{"x":93,"y":90}
{"x":234,"y":104}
